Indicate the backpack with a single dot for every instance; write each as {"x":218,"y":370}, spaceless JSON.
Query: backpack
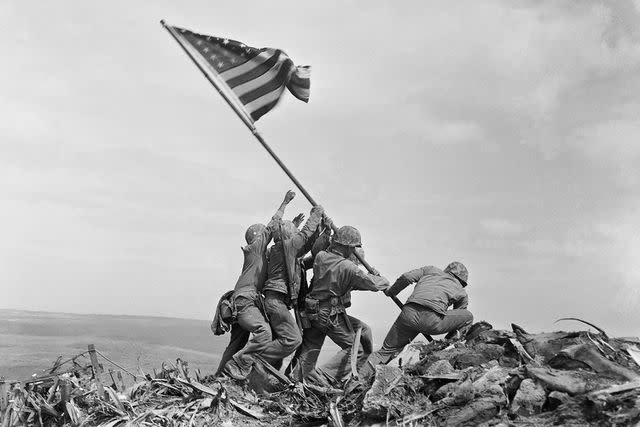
{"x":225,"y":314}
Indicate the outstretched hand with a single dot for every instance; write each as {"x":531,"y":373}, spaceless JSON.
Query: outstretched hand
{"x":298,"y":219}
{"x":289,"y":196}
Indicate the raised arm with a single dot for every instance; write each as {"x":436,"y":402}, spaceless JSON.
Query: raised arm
{"x":287,"y":199}
{"x":406,"y":279}
{"x":302,"y":237}
{"x":267,"y":233}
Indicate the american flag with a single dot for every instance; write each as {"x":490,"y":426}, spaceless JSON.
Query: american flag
{"x":255,"y":78}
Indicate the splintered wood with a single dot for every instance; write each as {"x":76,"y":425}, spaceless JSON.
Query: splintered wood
{"x":492,"y":377}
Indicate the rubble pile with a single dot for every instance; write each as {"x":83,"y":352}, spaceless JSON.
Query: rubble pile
{"x":171,"y":397}
{"x":496,"y":377}
{"x":491,"y":377}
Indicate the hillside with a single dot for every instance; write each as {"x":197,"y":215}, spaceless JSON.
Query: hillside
{"x":31,"y":341}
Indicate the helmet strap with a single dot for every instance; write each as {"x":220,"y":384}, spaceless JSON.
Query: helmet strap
{"x":462,"y":282}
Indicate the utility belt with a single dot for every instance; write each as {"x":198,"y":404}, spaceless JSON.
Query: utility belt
{"x":232,"y":305}
{"x":336,"y":305}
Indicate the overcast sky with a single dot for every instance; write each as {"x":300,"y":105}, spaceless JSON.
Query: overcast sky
{"x":498,"y":133}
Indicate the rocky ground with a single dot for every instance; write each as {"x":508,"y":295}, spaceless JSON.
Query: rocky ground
{"x":491,"y":377}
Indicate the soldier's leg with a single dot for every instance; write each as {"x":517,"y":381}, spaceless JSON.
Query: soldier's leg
{"x":287,"y":336}
{"x":342,"y":334}
{"x":452,"y":321}
{"x":239,"y":338}
{"x":308,"y":352}
{"x":402,"y":332}
{"x":251,"y":320}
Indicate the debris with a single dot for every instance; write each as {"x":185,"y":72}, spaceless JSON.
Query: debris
{"x":493,"y":378}
{"x":555,"y":399}
{"x":410,"y":355}
{"x":619,"y":388}
{"x":334,"y":412}
{"x":634,"y":352}
{"x":439,"y":368}
{"x":477,"y":329}
{"x":393,"y":393}
{"x":354,"y":353}
{"x":529,"y":398}
{"x":571,"y":382}
{"x":586,"y":356}
{"x":604,"y":334}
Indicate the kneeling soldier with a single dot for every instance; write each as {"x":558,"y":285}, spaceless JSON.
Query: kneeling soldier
{"x":426,"y":309}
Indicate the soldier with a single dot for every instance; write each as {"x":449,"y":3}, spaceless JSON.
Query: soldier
{"x":334,"y":276}
{"x":249,"y":318}
{"x":283,"y":282}
{"x":426,"y":309}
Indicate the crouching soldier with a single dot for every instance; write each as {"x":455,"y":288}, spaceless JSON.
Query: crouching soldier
{"x":335,"y":275}
{"x":426,"y":309}
{"x":250,"y":318}
{"x":282,"y":286}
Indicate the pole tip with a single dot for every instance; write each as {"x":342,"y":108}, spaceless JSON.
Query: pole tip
{"x":163,"y":23}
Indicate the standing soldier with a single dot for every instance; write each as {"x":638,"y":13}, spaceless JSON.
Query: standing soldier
{"x":283,"y":282}
{"x":426,"y":309}
{"x":249,"y":318}
{"x":334,"y":276}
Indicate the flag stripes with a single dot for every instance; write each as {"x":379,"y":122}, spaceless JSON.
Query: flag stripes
{"x":256,"y":78}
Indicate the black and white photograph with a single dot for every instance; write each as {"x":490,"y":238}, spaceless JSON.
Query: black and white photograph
{"x":417,"y":213}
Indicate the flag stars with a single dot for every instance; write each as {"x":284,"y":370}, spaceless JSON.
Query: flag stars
{"x":199,"y":42}
{"x":205,"y":50}
{"x":225,"y":42}
{"x":212,"y":57}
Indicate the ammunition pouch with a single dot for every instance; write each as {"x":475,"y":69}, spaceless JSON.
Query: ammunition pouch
{"x":303,"y":320}
{"x":336,"y":305}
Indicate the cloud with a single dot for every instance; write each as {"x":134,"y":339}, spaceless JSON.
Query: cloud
{"x":501,"y":227}
{"x":614,"y":143}
{"x":623,"y":237}
{"x":496,"y":132}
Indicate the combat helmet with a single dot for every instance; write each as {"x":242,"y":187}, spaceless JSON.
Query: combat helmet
{"x":252,"y":232}
{"x":348,"y":236}
{"x":458,"y":270}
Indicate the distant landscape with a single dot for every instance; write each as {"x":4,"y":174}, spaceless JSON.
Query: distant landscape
{"x":31,"y":341}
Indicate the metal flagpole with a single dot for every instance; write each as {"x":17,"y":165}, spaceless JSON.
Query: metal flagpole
{"x":249,"y":123}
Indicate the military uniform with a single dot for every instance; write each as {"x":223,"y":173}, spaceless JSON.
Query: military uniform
{"x":426,"y":310}
{"x":333,"y":279}
{"x":245,"y":302}
{"x":282,"y":286}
